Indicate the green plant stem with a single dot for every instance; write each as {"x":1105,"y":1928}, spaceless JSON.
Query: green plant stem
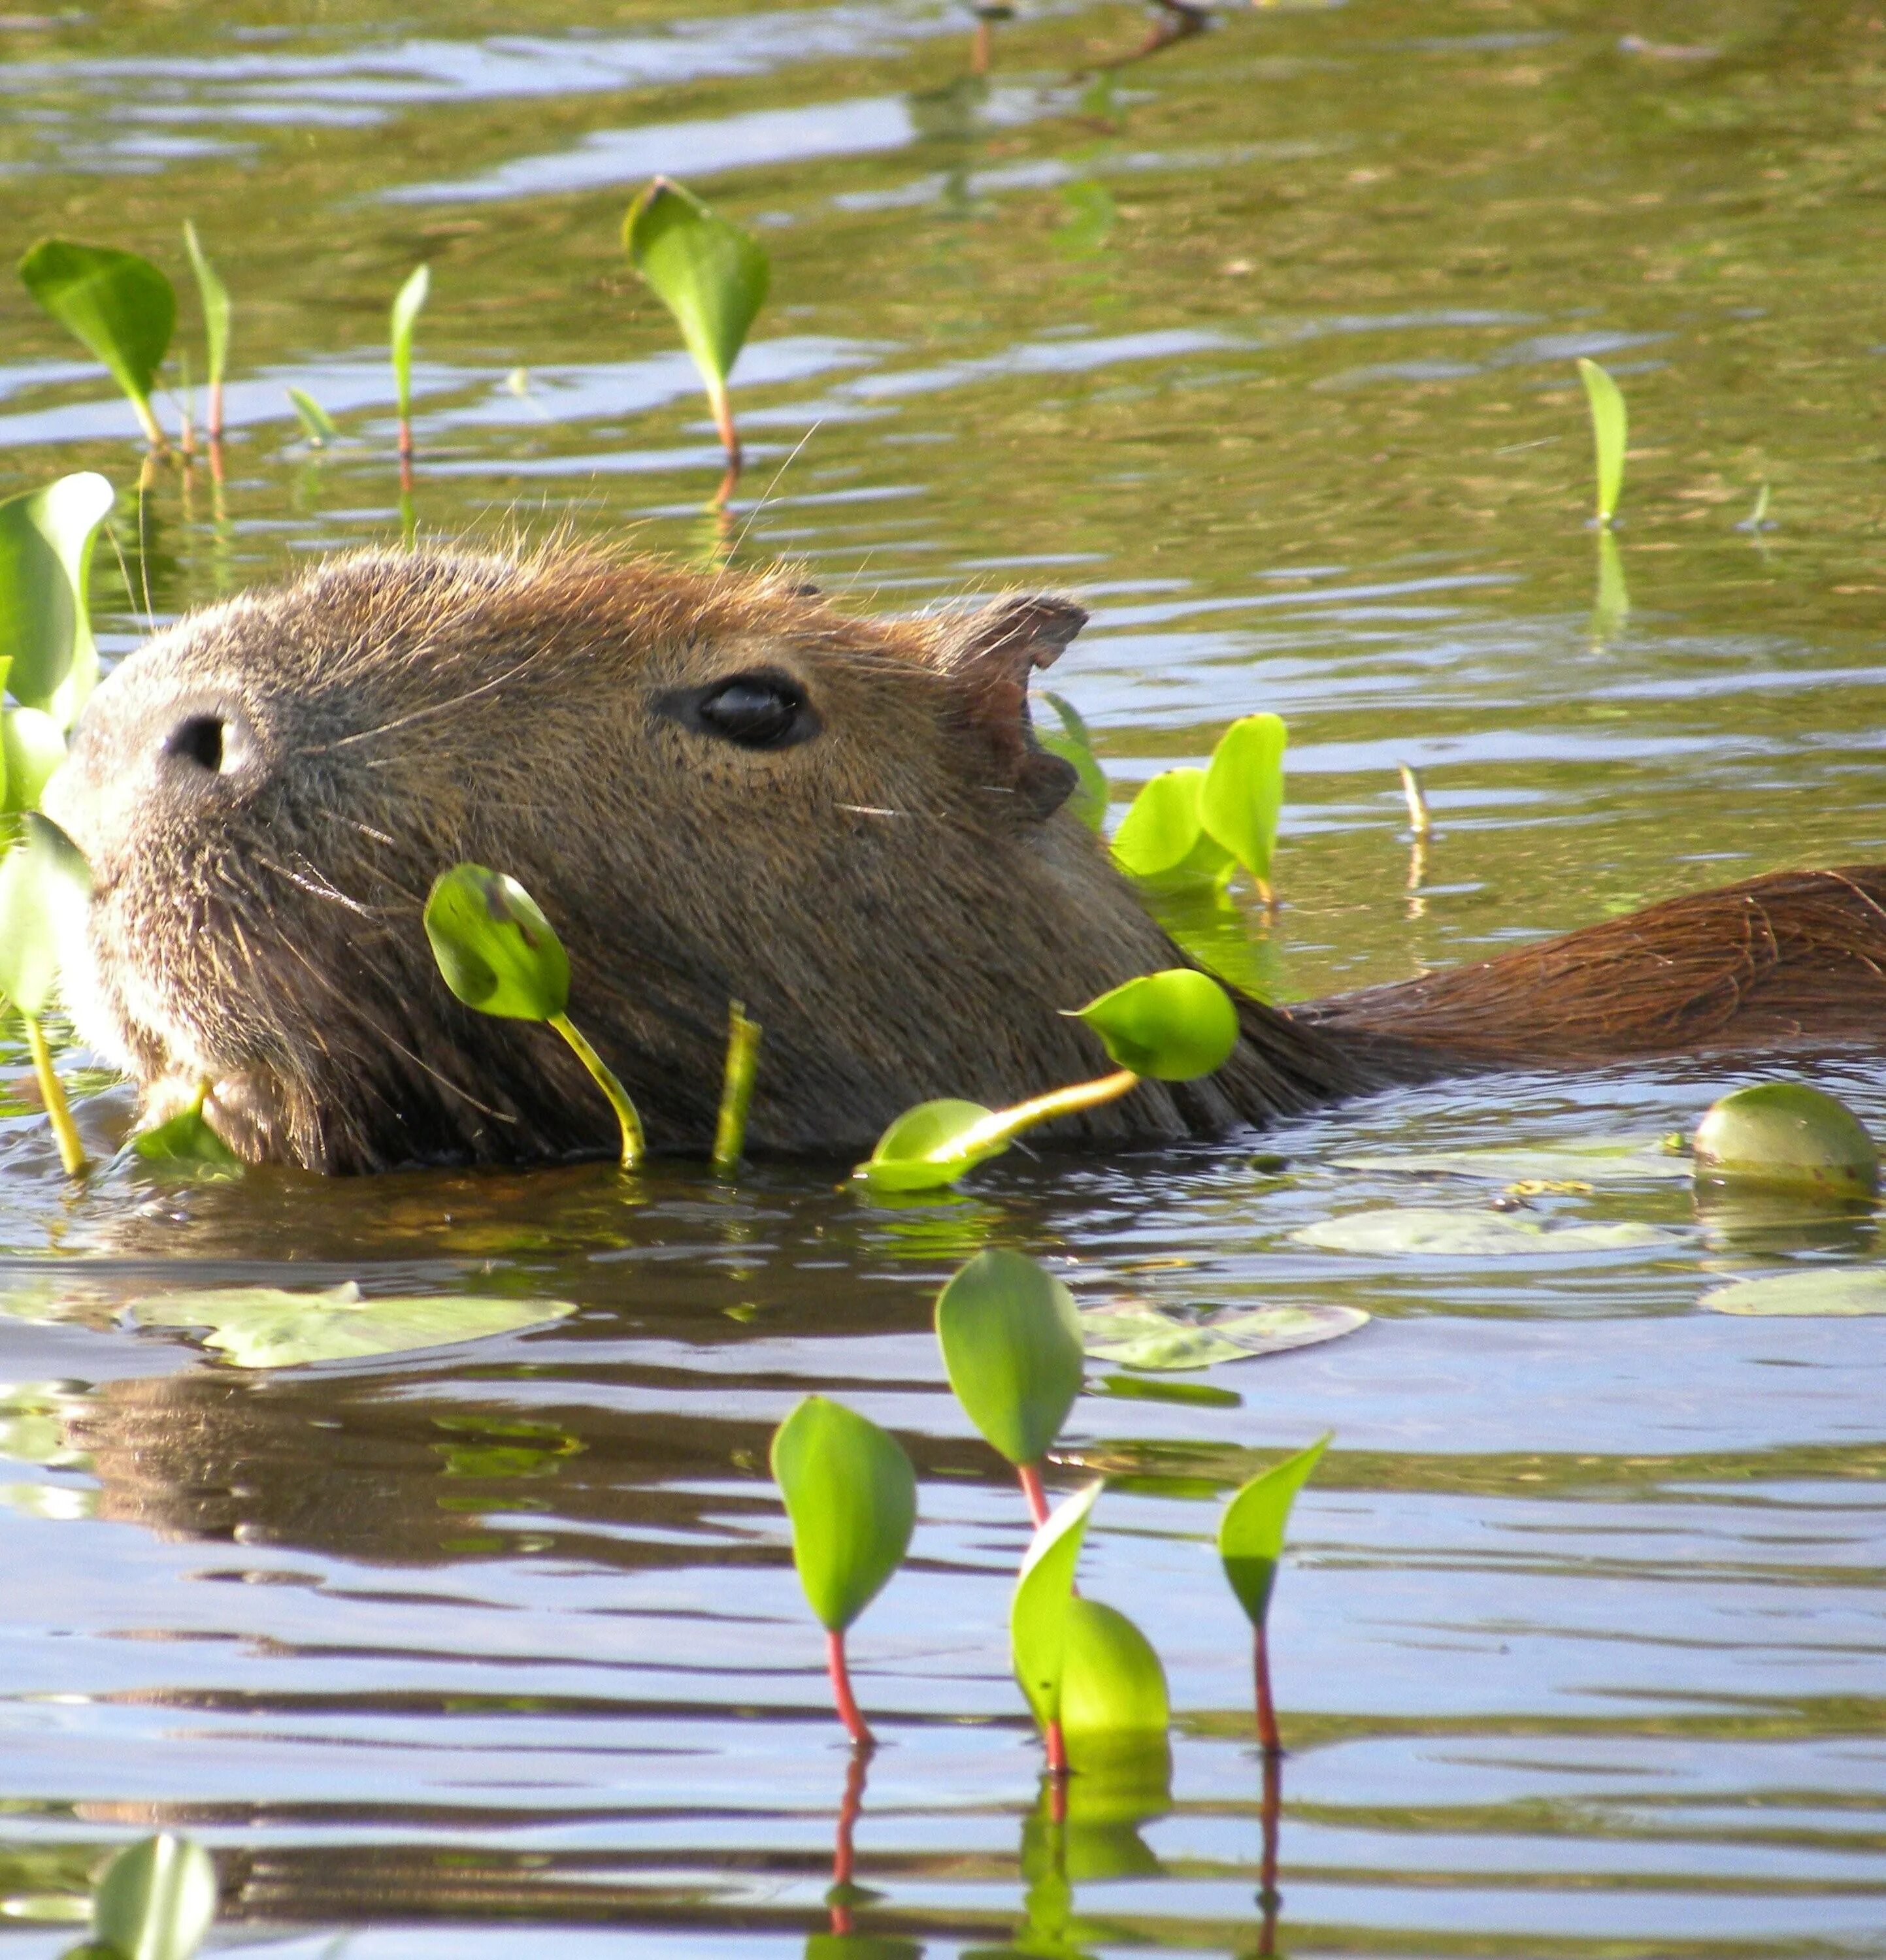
{"x":736,"y":1094}
{"x":1000,"y":1125}
{"x":148,"y":422}
{"x":634,"y":1144}
{"x":1267,"y":1737}
{"x":854,"y":1723}
{"x":1029,"y":1474}
{"x":59,"y":1112}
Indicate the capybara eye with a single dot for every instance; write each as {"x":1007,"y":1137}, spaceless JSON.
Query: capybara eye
{"x":199,"y":739}
{"x":756,"y":711}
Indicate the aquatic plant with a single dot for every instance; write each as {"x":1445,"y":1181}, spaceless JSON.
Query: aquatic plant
{"x":48,"y":663}
{"x":736,"y":1093}
{"x":213,"y":296}
{"x":1787,"y":1133}
{"x":712,"y":277}
{"x":1191,"y":827}
{"x":1074,"y":743}
{"x":1610,"y":424}
{"x":155,"y":1900}
{"x":498,"y":953}
{"x":318,"y":425}
{"x":118,"y":304}
{"x":1173,"y":1026}
{"x":851,"y":1497}
{"x":45,"y":888}
{"x":406,"y":304}
{"x":1420,"y":819}
{"x":1012,"y":1347}
{"x":184,"y":1142}
{"x":1250,"y":1537}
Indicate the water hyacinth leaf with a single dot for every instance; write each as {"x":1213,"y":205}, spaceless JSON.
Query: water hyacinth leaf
{"x":1038,"y":1613}
{"x":1250,"y":1533}
{"x":496,"y":950}
{"x":213,"y":295}
{"x":45,"y":888}
{"x":1135,"y":1334}
{"x":923,"y":1149}
{"x":118,"y":304}
{"x":31,"y":749}
{"x":1242,"y":795}
{"x":46,"y":545}
{"x":268,"y":1327}
{"x":318,"y":425}
{"x":1073,"y":744}
{"x":1810,"y":1293}
{"x":1787,"y":1133}
{"x":157,"y":1899}
{"x":1432,"y":1232}
{"x":1144,"y":1388}
{"x":709,"y":274}
{"x":851,"y":1497}
{"x":406,"y":305}
{"x":1173,"y":1025}
{"x":1162,"y":837}
{"x":1610,"y":430}
{"x":1112,"y":1684}
{"x":1011,"y":1347}
{"x":184,"y":1142}
{"x":1598,"y":1160}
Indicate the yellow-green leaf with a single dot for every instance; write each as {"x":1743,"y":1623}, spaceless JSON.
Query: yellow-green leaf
{"x":1174,"y":1026}
{"x":1250,"y":1534}
{"x":852,"y":1496}
{"x":1012,"y":1347}
{"x":497,"y":951}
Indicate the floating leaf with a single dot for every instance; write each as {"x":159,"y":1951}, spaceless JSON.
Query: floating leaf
{"x":45,"y":888}
{"x":1609,"y":427}
{"x":1012,"y":1347}
{"x":924,"y":1150}
{"x":1137,"y":1335}
{"x":1073,"y":744}
{"x":1434,"y":1233}
{"x":1787,"y":1132}
{"x":852,"y":1496}
{"x":1142,"y":1389}
{"x":1809,"y":1292}
{"x":406,"y":305}
{"x":1250,"y":1533}
{"x":497,"y":951}
{"x":1162,"y":837}
{"x":214,"y":296}
{"x":1112,"y":1685}
{"x":1602,"y":1160}
{"x":46,"y":544}
{"x":31,"y":748}
{"x":316,"y":424}
{"x":266,"y":1327}
{"x":1038,"y":1613}
{"x":1174,"y":1026}
{"x":1242,"y":795}
{"x":120,"y":305}
{"x":157,"y":1899}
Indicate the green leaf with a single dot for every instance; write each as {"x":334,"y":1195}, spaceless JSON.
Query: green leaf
{"x":1599,"y":1160}
{"x":1162,"y":839}
{"x":1787,"y":1132}
{"x":1074,"y":744}
{"x":1136,"y":1334}
{"x":157,"y":1899}
{"x":1174,"y":1026}
{"x":1242,"y":795}
{"x":184,"y":1141}
{"x":120,"y":305}
{"x":1431,"y":1232}
{"x":922,"y":1151}
{"x":45,"y":888}
{"x":1112,"y":1685}
{"x":214,"y":296}
{"x":1012,"y":1347}
{"x":316,"y":424}
{"x":1250,"y":1533}
{"x":1038,"y":1613}
{"x":406,"y":304}
{"x":1142,"y":1389}
{"x":266,"y":1327}
{"x":31,"y":748}
{"x":496,"y":949}
{"x":1810,"y":1292}
{"x":852,"y":1496}
{"x":709,"y":274}
{"x":46,"y":544}
{"x":1609,"y":428}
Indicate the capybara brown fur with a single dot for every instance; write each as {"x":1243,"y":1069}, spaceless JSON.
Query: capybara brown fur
{"x":721,"y":787}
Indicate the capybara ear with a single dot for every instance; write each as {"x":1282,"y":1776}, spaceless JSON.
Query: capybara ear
{"x":990,"y":654}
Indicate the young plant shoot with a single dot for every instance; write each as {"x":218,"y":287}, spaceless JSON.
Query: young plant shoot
{"x":1193,"y":828}
{"x":1610,"y":426}
{"x":851,"y":1497}
{"x":406,"y":304}
{"x":1250,"y":1543}
{"x":498,"y":953}
{"x":184,"y":1142}
{"x":712,"y":277}
{"x":121,"y":306}
{"x":318,"y":425}
{"x":155,"y":1900}
{"x":49,"y":663}
{"x":1173,"y":1026}
{"x":45,"y":888}
{"x":213,"y":296}
{"x":1011,"y":1347}
{"x":1075,"y":744}
{"x":736,"y":1092}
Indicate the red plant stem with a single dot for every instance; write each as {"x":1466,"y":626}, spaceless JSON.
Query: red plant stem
{"x":1057,"y":1749}
{"x":729,"y":437}
{"x":1267,"y":1739}
{"x":213,"y":427}
{"x":216,"y":458}
{"x":406,"y":461}
{"x":979,"y":49}
{"x":1269,"y":1899}
{"x":406,"y":441}
{"x":1029,"y":1474}
{"x":854,"y":1724}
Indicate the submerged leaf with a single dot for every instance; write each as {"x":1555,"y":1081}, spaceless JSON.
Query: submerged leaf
{"x":1012,"y":1347}
{"x":1809,"y":1292}
{"x":1472,"y":1234}
{"x":1250,"y":1533}
{"x":1137,"y":1335}
{"x":46,"y":545}
{"x":45,"y":888}
{"x":157,"y":1899}
{"x":709,"y":274}
{"x":1173,"y":1025}
{"x":922,"y":1151}
{"x":1242,"y":795}
{"x":497,"y":951}
{"x":852,"y":1496}
{"x":268,"y":1327}
{"x":1599,"y":1160}
{"x":1038,"y":1613}
{"x":1162,"y":839}
{"x":120,"y":305}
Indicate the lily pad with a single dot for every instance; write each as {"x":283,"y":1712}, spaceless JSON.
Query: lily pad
{"x":1428,"y":1231}
{"x":1811,"y":1293}
{"x":1136,"y":1334}
{"x":269,"y":1327}
{"x":1599,"y":1160}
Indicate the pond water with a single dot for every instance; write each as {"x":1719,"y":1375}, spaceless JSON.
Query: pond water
{"x":1263,"y":346}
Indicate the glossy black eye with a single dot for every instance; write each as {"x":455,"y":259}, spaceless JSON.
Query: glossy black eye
{"x":754,"y":711}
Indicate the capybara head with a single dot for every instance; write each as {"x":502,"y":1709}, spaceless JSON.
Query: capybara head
{"x":717,"y":787}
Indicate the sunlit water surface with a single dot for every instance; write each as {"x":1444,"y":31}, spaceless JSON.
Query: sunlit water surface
{"x":1263,"y":347}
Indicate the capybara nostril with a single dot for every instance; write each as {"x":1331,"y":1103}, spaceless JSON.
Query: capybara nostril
{"x":199,"y":739}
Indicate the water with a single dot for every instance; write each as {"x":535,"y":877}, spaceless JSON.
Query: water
{"x":1263,"y":347}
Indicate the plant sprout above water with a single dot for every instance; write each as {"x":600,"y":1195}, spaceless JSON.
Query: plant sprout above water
{"x":118,"y":304}
{"x":45,"y":890}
